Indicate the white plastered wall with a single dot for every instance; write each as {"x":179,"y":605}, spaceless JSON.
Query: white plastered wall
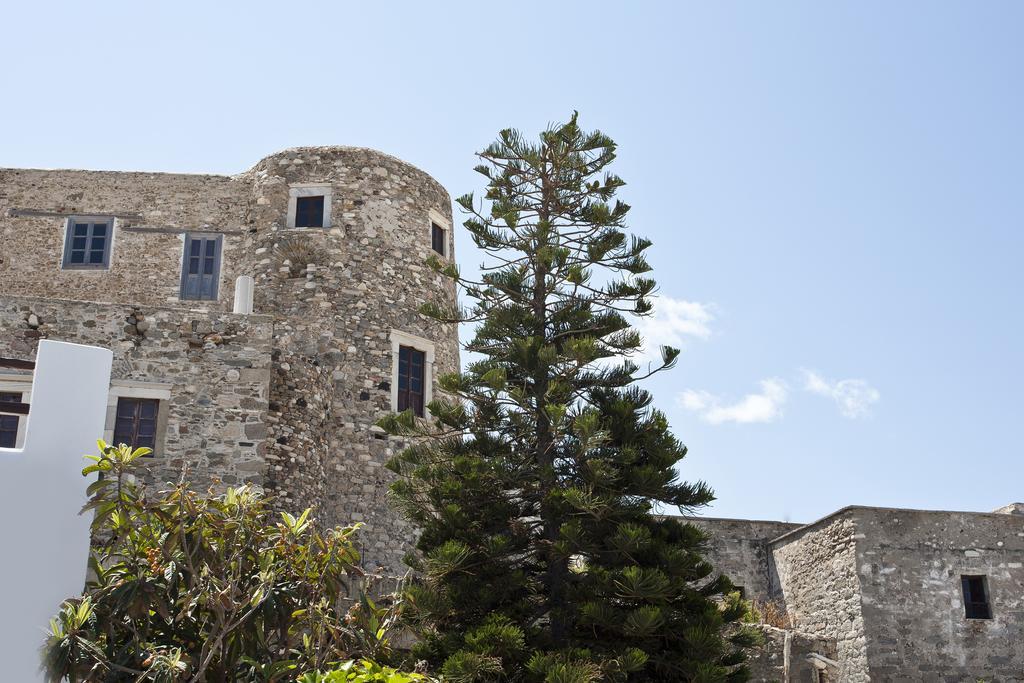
{"x":42,"y":490}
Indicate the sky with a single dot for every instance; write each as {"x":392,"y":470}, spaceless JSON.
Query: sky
{"x":834,"y":191}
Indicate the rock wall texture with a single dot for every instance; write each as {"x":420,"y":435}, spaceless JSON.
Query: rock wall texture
{"x":909,"y":564}
{"x":329,"y":300}
{"x":817,"y":579}
{"x":216,"y":368}
{"x":739,"y":548}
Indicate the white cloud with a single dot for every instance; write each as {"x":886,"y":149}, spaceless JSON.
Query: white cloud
{"x":853,"y":396}
{"x":673,"y":323}
{"x":763,"y":406}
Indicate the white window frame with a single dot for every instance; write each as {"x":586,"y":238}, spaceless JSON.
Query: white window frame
{"x":135,"y":389}
{"x":296,"y":190}
{"x":18,"y":384}
{"x":399,"y":339}
{"x":446,"y":225}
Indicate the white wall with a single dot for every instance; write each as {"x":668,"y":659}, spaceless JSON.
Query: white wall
{"x":45,"y":540}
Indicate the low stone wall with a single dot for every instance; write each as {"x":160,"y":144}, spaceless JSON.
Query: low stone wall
{"x":217,"y":366}
{"x":788,"y":656}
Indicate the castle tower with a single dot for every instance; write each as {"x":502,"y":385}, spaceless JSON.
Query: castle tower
{"x":336,"y":240}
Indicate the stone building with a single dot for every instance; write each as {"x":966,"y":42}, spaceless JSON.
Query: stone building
{"x":881,"y":594}
{"x":261,"y":323}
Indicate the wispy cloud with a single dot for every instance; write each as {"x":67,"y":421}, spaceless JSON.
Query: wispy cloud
{"x":853,"y":396}
{"x":673,"y":323}
{"x":763,"y":406}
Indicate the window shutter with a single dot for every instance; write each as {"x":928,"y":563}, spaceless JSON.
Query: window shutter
{"x":200,"y":269}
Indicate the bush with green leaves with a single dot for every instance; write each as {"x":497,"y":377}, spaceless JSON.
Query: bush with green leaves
{"x":535,"y":481}
{"x":186,"y":586}
{"x":363,"y":671}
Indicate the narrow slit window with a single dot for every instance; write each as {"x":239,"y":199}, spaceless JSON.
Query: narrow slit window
{"x":437,"y":238}
{"x":200,"y":270}
{"x":87,"y":244}
{"x":135,"y":422}
{"x":9,"y":423}
{"x":309,"y":212}
{"x":976,"y":601}
{"x":411,"y":379}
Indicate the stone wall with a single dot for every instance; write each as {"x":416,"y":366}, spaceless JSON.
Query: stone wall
{"x":909,"y":567}
{"x":216,"y":366}
{"x":816,"y":577}
{"x":153,"y":209}
{"x":738,"y":548}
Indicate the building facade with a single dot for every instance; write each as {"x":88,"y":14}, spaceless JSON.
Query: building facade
{"x":881,"y":594}
{"x":261,"y":323}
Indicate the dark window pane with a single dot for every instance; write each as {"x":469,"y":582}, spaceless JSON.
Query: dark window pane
{"x":96,"y":257}
{"x":9,"y":423}
{"x":78,"y":257}
{"x":210,"y":246}
{"x":437,"y":238}
{"x":78,"y":243}
{"x":208,"y":265}
{"x":81,"y":229}
{"x":99,"y":230}
{"x":136,"y":422}
{"x":194,"y":248}
{"x":976,"y":602}
{"x":97,"y":243}
{"x":309,"y":212}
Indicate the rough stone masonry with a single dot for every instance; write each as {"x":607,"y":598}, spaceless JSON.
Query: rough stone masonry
{"x":287,"y":397}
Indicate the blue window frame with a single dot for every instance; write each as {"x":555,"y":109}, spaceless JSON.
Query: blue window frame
{"x":87,"y":243}
{"x":200,"y":268}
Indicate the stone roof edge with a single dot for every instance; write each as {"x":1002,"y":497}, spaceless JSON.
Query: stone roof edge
{"x":223,"y":176}
{"x":234,"y":176}
{"x":698,"y":518}
{"x":874,"y":508}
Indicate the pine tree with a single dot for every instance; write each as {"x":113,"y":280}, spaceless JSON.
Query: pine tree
{"x":534,"y":485}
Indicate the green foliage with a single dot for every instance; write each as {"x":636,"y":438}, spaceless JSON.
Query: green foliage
{"x":535,"y":482}
{"x":192,"y":587}
{"x":362,"y":672}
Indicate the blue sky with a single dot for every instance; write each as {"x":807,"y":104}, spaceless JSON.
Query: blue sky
{"x":833,"y":189}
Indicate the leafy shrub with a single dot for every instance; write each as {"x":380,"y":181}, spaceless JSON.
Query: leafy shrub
{"x":201,"y":587}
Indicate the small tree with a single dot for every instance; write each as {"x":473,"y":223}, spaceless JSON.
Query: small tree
{"x":540,"y":557}
{"x":193,"y":587}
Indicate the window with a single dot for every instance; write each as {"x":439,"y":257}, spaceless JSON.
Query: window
{"x":440,"y":232}
{"x":411,"y":378}
{"x":87,"y":243}
{"x":200,"y":268}
{"x":412,"y":373}
{"x":437,"y":240}
{"x":9,"y":423}
{"x":309,"y":205}
{"x":135,"y":422}
{"x":976,"y":597}
{"x":309,"y":212}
